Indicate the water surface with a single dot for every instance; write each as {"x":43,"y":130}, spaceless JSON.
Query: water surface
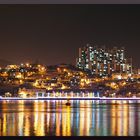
{"x":82,"y":118}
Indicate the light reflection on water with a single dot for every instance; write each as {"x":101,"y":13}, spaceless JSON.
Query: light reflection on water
{"x":82,"y":118}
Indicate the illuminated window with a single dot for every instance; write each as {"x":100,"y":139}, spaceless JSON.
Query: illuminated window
{"x":87,"y":66}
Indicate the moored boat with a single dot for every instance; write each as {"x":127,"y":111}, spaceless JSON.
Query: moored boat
{"x":68,"y":103}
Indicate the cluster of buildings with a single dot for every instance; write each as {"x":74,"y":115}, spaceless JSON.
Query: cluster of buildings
{"x":95,"y":66}
{"x":38,"y":76}
{"x":17,"y":74}
{"x":102,"y":61}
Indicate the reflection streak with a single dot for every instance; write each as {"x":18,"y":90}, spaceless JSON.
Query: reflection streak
{"x":82,"y":118}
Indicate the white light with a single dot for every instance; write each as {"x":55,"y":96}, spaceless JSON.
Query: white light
{"x":119,"y":77}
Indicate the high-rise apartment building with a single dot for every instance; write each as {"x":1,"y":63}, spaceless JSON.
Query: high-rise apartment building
{"x":103,"y":61}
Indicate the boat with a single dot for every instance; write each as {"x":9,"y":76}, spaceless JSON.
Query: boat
{"x":68,"y":103}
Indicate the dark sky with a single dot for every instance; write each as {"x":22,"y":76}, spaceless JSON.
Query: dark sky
{"x":52,"y":34}
{"x":69,"y":1}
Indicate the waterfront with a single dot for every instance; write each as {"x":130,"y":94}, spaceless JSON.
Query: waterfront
{"x":82,"y":118}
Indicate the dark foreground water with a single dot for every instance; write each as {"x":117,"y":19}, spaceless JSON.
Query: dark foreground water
{"x":82,"y":118}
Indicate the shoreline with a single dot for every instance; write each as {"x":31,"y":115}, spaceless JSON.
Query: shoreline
{"x":65,"y":98}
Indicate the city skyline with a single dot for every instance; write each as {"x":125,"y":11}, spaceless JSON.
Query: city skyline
{"x":103,"y":61}
{"x":69,"y":70}
{"x":52,"y":34}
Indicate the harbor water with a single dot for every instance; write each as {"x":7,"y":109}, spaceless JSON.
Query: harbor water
{"x":81,"y":118}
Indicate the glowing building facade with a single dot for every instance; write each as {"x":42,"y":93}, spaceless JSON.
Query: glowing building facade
{"x":103,"y":61}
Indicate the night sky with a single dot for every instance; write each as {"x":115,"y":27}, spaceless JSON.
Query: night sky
{"x":52,"y":34}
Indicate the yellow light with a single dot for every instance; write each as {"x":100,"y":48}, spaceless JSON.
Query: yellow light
{"x":64,"y":125}
{"x":81,"y":73}
{"x":49,"y":88}
{"x":58,"y":124}
{"x":82,"y":84}
{"x":35,"y":84}
{"x":69,"y":74}
{"x":19,"y":75}
{"x":27,"y":125}
{"x":22,"y":94}
{"x":52,"y":84}
{"x":124,"y":83}
{"x":21,"y":81}
{"x":87,"y":81}
{"x":63,"y":87}
{"x":68,"y":126}
{"x":27,"y":64}
{"x":4,"y":127}
{"x":82,"y":80}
